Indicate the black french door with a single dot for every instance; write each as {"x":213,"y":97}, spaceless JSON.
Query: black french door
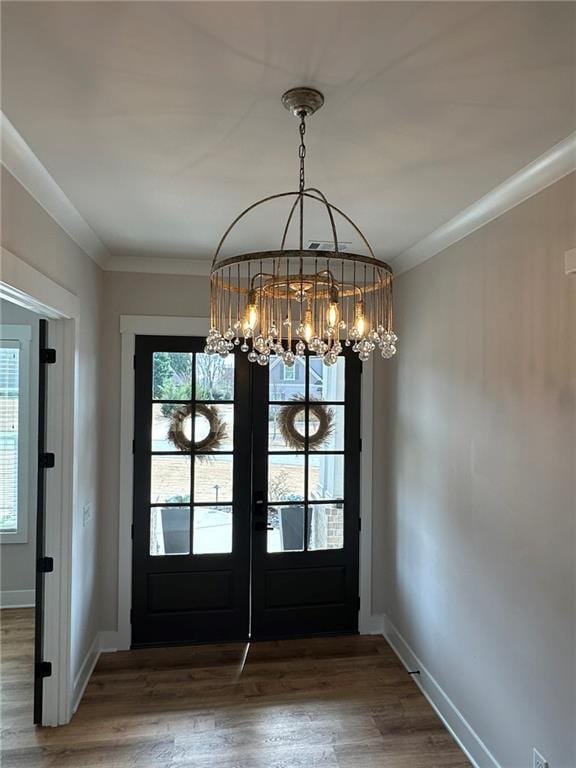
{"x":191,"y":534}
{"x":306,"y":493}
{"x":246,"y":496}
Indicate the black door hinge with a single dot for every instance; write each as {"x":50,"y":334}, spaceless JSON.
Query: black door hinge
{"x":44,"y":669}
{"x":134,"y":362}
{"x":131,"y":615}
{"x":48,"y":356}
{"x":358,"y":603}
{"x":45,"y":565}
{"x":132,"y":531}
{"x":46,"y":460}
{"x":360,"y":445}
{"x":133,"y":446}
{"x":359,"y":523}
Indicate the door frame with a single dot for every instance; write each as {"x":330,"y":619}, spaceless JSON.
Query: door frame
{"x":152,"y":325}
{"x":27,"y":287}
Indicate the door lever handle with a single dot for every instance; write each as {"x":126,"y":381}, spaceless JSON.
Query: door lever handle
{"x":259,"y":506}
{"x":259,"y":526}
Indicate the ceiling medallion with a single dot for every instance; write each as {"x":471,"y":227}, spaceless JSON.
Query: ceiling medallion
{"x":287,"y":301}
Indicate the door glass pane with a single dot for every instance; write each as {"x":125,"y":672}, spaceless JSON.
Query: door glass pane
{"x":327,"y":383}
{"x":214,"y":377}
{"x":326,"y":427}
{"x":170,"y":531}
{"x":285,"y":478}
{"x":325,"y":526}
{"x":171,"y":427}
{"x":286,"y":528}
{"x":170,"y":479}
{"x":213,"y":479}
{"x":172,"y":375}
{"x":214,"y":427}
{"x":286,"y":428}
{"x":325,"y":476}
{"x":212,"y":530}
{"x":286,"y":382}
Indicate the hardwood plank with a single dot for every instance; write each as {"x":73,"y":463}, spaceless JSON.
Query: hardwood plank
{"x":342,"y":702}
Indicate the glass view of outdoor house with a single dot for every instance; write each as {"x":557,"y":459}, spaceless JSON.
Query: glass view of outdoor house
{"x":305,"y":456}
{"x":192,"y":461}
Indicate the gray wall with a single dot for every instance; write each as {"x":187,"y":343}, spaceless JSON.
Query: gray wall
{"x":33,"y":236}
{"x":475,"y":477}
{"x":131,"y":294}
{"x":17,"y":561}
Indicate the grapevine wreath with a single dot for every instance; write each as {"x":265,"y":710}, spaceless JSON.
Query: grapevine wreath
{"x":287,"y":423}
{"x":217,"y":432}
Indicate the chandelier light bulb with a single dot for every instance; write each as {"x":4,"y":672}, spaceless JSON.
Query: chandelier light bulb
{"x":251,"y":315}
{"x":333,"y":314}
{"x":359,"y":320}
{"x":308,"y":332}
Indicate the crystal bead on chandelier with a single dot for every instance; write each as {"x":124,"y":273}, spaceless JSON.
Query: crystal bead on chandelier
{"x":287,"y":301}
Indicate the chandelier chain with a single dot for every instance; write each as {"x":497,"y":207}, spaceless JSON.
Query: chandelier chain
{"x":302,"y":150}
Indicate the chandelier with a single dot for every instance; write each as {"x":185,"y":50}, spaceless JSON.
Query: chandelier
{"x":289,"y":301}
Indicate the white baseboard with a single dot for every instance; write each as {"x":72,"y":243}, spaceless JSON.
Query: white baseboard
{"x":477,"y":752}
{"x":104,"y":642}
{"x":17,"y":598}
{"x":85,"y":672}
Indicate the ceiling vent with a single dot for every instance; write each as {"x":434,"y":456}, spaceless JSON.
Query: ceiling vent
{"x":326,"y":245}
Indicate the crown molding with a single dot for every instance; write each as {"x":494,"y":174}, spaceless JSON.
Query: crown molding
{"x":159,"y":265}
{"x":19,"y":159}
{"x":553,"y":165}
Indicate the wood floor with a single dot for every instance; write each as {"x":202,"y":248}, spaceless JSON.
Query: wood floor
{"x":322,"y":703}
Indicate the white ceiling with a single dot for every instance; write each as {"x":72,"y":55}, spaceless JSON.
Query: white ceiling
{"x":161,"y":120}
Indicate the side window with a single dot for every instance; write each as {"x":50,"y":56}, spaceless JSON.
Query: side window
{"x":14,"y":432}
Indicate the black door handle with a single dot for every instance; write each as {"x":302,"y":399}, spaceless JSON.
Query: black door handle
{"x":259,"y":506}
{"x":260,"y":526}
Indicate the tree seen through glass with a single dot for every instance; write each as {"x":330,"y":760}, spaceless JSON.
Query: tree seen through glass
{"x":172,"y":376}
